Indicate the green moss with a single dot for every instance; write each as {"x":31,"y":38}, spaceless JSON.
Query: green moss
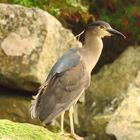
{"x":23,"y":131}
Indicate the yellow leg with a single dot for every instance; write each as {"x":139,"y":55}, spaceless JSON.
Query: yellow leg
{"x":62,"y":123}
{"x":72,"y":125}
{"x":71,"y":120}
{"x":62,"y":133}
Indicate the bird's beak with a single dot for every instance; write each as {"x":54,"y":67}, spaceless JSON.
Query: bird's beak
{"x":115,"y":32}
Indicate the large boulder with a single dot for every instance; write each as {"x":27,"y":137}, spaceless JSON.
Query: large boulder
{"x":125,"y":122}
{"x":107,"y":90}
{"x":31,"y":40}
{"x":22,"y":131}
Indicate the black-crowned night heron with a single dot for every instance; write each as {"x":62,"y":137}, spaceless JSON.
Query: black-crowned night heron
{"x":70,"y":77}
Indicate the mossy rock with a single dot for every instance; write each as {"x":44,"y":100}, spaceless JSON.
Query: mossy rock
{"x":22,"y":131}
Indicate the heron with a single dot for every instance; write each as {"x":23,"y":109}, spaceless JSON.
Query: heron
{"x":70,"y":77}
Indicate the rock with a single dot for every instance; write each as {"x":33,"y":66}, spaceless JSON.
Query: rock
{"x":31,"y":40}
{"x":125,"y":123}
{"x":97,"y":126}
{"x":22,"y":131}
{"x":15,"y":107}
{"x":109,"y":86}
{"x":107,"y":90}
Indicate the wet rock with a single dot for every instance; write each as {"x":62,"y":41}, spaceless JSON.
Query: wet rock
{"x":125,"y":123}
{"x":31,"y":40}
{"x":23,"y":131}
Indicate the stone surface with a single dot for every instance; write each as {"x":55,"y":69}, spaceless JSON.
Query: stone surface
{"x":22,"y":131}
{"x":31,"y":40}
{"x":107,"y":90}
{"x":15,"y":106}
{"x":109,"y":86}
{"x":125,"y":123}
{"x":95,"y":127}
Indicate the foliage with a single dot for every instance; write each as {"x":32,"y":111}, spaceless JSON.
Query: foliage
{"x":55,"y":7}
{"x":30,"y":3}
{"x":125,"y":15}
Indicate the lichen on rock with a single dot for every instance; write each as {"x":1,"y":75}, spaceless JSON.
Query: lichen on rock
{"x":18,"y":27}
{"x":31,"y":40}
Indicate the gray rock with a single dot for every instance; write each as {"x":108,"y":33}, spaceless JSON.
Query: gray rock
{"x":125,"y":123}
{"x":107,"y":90}
{"x":15,"y":107}
{"x":109,"y":86}
{"x":31,"y":40}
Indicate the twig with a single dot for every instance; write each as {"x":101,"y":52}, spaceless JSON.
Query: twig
{"x":77,"y":36}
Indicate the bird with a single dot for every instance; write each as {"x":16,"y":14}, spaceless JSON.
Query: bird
{"x":70,"y":77}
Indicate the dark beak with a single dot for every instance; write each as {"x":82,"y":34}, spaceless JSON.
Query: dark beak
{"x":115,"y":32}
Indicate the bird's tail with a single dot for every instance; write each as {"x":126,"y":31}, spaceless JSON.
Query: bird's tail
{"x":35,"y":101}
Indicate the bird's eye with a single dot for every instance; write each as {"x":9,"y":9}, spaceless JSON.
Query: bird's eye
{"x":102,"y":27}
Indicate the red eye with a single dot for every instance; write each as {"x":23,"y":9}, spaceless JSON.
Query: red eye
{"x":102,"y":27}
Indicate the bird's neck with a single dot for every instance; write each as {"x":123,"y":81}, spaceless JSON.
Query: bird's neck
{"x":91,"y":51}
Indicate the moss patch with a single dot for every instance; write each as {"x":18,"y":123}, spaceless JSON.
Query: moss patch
{"x":22,"y":131}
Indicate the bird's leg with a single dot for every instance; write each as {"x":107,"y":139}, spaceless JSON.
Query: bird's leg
{"x":63,"y":133}
{"x":71,"y":120}
{"x":72,"y":125}
{"x":62,"y":123}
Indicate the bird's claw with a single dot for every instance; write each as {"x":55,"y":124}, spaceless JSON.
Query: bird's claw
{"x":64,"y":134}
{"x":76,"y":137}
{"x":73,"y":135}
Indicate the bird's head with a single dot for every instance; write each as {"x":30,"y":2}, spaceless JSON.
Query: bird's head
{"x":102,"y":29}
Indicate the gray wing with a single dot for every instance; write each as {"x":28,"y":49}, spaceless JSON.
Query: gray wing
{"x":70,"y":59}
{"x":61,"y":92}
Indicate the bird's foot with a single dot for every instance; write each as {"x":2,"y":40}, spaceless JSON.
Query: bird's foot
{"x":65,"y":134}
{"x":76,"y":137}
{"x":73,"y":135}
